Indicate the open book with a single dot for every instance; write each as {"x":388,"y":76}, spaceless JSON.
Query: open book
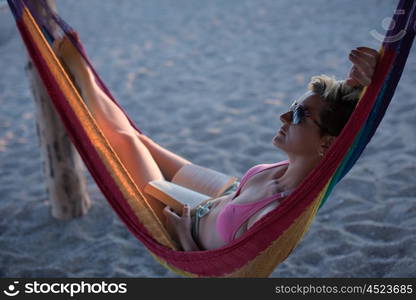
{"x":191,"y":185}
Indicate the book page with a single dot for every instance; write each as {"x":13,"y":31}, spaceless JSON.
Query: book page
{"x":203,"y":180}
{"x":174,"y":195}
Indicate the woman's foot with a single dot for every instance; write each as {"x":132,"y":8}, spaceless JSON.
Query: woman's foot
{"x":74,"y":63}
{"x":70,"y":56}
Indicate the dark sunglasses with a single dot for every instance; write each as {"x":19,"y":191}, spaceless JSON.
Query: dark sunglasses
{"x":298,"y":113}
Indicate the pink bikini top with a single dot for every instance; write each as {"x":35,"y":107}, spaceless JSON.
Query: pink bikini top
{"x":233,"y":215}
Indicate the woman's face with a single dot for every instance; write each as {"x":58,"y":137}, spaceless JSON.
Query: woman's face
{"x":303,"y":139}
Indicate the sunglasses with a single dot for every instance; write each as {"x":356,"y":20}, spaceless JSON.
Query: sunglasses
{"x":298,"y":113}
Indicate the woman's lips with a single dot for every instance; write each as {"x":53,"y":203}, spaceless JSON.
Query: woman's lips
{"x":282,"y":132}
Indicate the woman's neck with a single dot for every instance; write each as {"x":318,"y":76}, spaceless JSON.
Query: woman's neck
{"x":296,"y":171}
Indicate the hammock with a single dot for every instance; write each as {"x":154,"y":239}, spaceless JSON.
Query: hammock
{"x":266,"y":244}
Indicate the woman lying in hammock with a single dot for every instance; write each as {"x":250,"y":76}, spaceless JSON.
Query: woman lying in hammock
{"x":307,"y":131}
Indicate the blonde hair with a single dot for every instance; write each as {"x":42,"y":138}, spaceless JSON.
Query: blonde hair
{"x":340,"y":98}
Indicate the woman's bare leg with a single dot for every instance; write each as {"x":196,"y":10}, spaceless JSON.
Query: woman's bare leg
{"x":112,"y":121}
{"x":110,"y":118}
{"x":168,"y":162}
{"x":116,"y":127}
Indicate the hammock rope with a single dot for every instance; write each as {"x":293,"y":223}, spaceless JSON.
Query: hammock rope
{"x":257,"y":252}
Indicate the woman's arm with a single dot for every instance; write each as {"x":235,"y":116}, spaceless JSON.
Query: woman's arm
{"x":180,"y":227}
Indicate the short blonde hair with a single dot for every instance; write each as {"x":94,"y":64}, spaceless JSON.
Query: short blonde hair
{"x":340,"y":98}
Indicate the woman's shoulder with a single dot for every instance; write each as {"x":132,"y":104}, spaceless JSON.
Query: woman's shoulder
{"x":260,"y":167}
{"x":253,"y":170}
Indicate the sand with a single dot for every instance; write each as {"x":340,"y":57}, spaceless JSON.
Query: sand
{"x":208,"y":80}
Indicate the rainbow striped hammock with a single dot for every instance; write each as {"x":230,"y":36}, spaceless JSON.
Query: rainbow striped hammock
{"x":257,"y":252}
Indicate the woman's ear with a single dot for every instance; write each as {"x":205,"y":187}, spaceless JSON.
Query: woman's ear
{"x":326,"y":142}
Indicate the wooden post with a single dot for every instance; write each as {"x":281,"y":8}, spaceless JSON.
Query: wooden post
{"x":62,"y":165}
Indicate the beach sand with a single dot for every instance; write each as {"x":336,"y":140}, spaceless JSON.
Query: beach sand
{"x":208,"y":80}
